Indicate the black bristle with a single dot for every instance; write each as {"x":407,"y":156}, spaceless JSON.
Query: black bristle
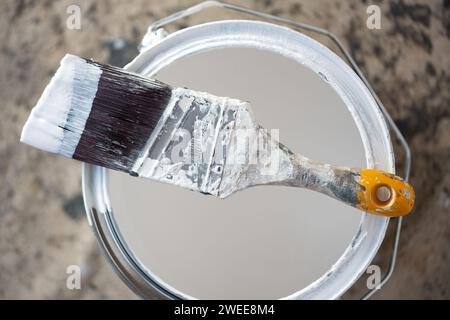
{"x":125,"y":110}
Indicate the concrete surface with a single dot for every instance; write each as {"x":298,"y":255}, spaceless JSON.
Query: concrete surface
{"x":43,"y":229}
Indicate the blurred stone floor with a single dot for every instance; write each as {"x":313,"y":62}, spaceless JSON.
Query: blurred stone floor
{"x":42,"y":224}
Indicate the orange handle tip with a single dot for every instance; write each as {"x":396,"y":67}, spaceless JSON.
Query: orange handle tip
{"x":384,"y":194}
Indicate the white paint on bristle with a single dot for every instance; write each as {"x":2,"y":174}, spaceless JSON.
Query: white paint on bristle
{"x":58,"y":119}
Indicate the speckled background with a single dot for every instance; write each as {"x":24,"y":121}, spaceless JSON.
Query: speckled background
{"x":42,"y":224}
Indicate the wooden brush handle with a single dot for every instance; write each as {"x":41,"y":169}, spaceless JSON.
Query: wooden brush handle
{"x":370,"y":190}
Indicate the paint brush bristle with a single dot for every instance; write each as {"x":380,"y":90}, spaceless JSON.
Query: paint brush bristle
{"x":96,"y":113}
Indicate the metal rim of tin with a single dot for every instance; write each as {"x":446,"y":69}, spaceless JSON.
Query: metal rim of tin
{"x":302,"y":49}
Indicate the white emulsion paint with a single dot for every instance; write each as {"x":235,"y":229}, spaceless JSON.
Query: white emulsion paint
{"x":264,"y":242}
{"x":57,"y":121}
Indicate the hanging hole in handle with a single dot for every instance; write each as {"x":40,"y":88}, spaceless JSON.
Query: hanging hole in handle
{"x":383,"y":194}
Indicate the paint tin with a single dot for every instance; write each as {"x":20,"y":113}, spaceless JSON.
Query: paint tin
{"x":126,"y":252}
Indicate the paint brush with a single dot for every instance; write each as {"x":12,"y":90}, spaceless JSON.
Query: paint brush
{"x":106,"y":116}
